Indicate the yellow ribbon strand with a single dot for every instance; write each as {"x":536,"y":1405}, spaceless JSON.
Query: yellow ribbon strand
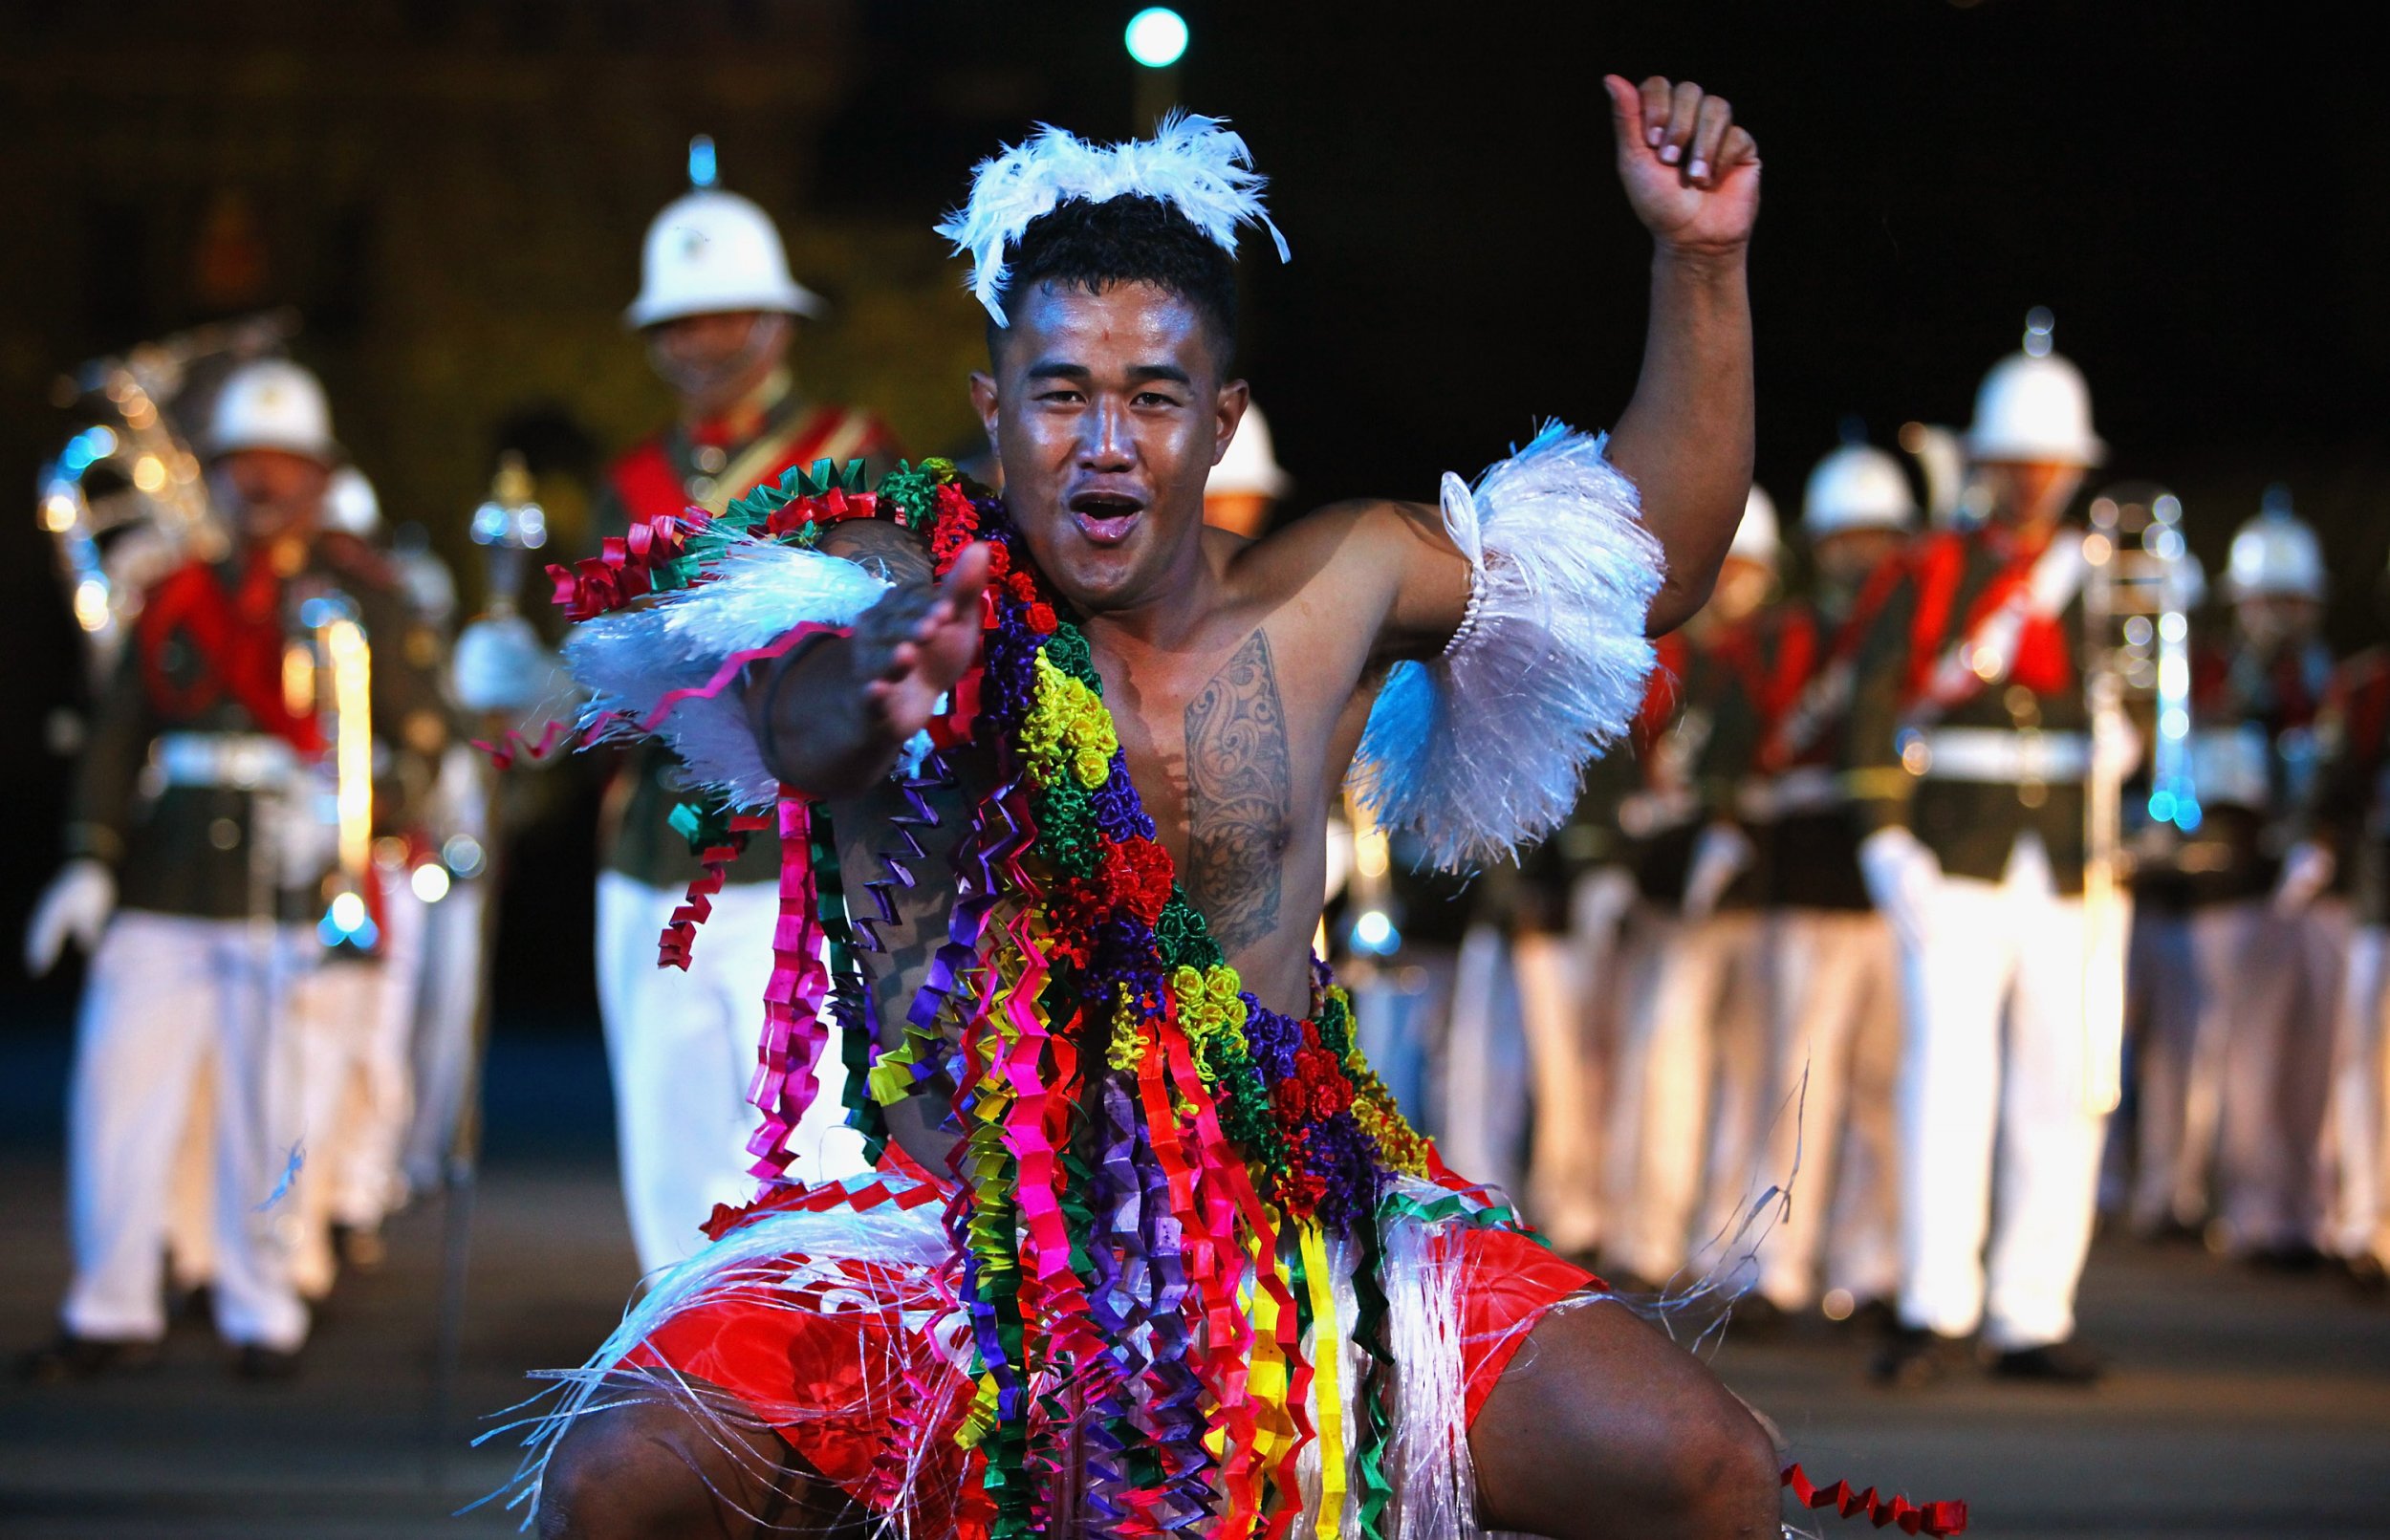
{"x":1327,"y":1364}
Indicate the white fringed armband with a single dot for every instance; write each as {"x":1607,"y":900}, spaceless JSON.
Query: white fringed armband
{"x":757,"y":592}
{"x":1485,"y":748}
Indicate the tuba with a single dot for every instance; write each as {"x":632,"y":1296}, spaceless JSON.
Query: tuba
{"x":126,"y":500}
{"x":2140,"y":583}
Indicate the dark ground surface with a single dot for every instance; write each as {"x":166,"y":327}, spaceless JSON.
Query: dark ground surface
{"x":2243,"y":1405}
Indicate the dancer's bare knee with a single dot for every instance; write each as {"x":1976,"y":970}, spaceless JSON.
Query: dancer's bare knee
{"x":1602,"y":1429}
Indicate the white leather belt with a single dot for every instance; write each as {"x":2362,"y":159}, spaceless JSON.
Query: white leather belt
{"x":1802,"y":788}
{"x":235,"y":761}
{"x":2005,"y":758}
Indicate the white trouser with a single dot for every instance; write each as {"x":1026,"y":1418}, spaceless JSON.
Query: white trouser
{"x":2177,"y":1067}
{"x":1568,"y":985}
{"x":355,"y":1017}
{"x":681,"y":1049}
{"x":2360,"y":1091}
{"x":1692,"y":1093}
{"x":191,"y":1208}
{"x":1837,"y":1037}
{"x":164,"y":992}
{"x":331,"y":1012}
{"x":448,"y":1010}
{"x":2015,"y":948}
{"x":2282,"y":987}
{"x":370,"y":1182}
{"x":1482,"y":1125}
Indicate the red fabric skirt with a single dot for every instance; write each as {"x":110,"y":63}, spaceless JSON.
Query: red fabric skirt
{"x":831,"y":1380}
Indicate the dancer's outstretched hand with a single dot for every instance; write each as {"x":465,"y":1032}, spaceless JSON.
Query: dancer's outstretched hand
{"x":1691,"y":173}
{"x":913,"y":645}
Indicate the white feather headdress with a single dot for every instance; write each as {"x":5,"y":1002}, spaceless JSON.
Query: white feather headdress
{"x":1192,"y":163}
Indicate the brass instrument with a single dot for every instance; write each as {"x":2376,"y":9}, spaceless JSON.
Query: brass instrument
{"x":2139,"y":584}
{"x":126,"y":500}
{"x":328,"y":665}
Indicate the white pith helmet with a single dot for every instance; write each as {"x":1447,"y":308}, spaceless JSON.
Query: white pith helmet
{"x":1858,"y":487}
{"x":1756,"y":539}
{"x":350,"y":505}
{"x":710,"y":251}
{"x":273,"y":403}
{"x":2034,"y":406}
{"x":1251,"y":464}
{"x":2275,"y":555}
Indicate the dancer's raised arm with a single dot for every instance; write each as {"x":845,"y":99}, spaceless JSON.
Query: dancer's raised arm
{"x":1692,"y":176}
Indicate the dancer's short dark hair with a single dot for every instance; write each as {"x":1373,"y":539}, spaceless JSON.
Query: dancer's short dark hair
{"x":1129,"y":239}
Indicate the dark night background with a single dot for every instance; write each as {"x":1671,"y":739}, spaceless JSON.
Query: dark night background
{"x":453,"y":195}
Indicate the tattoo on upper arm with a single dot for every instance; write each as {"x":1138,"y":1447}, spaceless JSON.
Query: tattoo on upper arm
{"x":1239,"y":797}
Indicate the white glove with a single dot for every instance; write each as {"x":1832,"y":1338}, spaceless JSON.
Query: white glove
{"x":1721,"y":854}
{"x":78,"y":904}
{"x":1901,"y":874}
{"x":2307,"y":870}
{"x":500,"y":665}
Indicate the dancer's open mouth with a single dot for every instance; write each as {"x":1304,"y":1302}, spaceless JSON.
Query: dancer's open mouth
{"x":1105,"y":518}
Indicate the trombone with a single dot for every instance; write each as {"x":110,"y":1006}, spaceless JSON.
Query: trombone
{"x":2140,"y":583}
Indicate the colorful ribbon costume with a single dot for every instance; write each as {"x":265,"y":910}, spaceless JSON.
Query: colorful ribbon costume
{"x":1185,"y":1238}
{"x":1190,"y":1270}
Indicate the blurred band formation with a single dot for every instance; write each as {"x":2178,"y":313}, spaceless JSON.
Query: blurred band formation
{"x":2006,"y":876}
{"x":2003,"y":872}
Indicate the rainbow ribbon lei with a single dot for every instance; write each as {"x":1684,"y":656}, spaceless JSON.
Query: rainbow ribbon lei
{"x":1157,"y":1175}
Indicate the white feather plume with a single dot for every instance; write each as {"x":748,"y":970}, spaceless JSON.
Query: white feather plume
{"x":1192,"y":163}
{"x":758,"y":590}
{"x":1484,"y":748}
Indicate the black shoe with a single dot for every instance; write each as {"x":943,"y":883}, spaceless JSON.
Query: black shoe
{"x":194,"y":1308}
{"x":2291,"y":1257}
{"x":1913,"y":1358}
{"x":2054,"y":1363}
{"x":73,"y":1357}
{"x":263,"y":1365}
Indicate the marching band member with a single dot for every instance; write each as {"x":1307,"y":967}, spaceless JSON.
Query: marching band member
{"x":2349,"y":853}
{"x":1968,"y":747}
{"x":197,"y":864}
{"x":1835,"y":1017}
{"x":717,"y":309}
{"x":2266,"y":959}
{"x":1247,"y":483}
{"x":1691,"y":1093}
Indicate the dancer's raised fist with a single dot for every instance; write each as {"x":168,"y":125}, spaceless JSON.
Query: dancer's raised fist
{"x":1691,"y":172}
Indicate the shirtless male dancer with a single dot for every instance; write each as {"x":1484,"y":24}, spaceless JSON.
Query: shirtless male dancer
{"x":1240,"y":676}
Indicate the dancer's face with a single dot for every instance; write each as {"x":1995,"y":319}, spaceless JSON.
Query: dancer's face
{"x":1108,"y":410}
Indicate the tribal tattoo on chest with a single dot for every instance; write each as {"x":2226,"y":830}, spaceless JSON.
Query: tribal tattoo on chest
{"x":1239,"y":796}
